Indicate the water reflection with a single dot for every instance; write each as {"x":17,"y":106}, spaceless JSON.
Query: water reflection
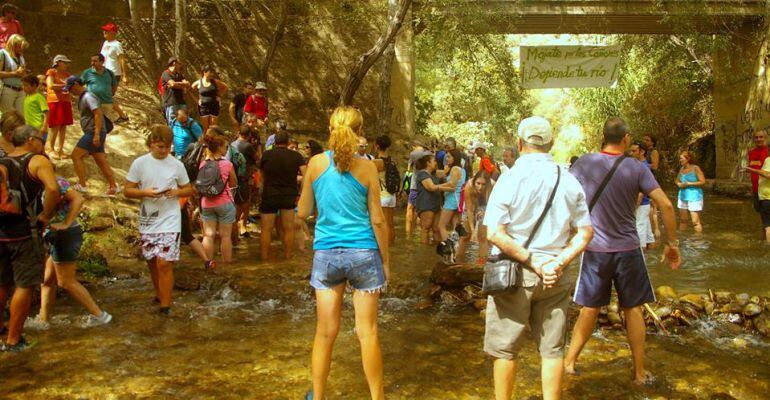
{"x":250,"y":337}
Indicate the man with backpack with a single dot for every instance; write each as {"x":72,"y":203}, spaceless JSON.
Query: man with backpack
{"x":390,"y":183}
{"x":172,"y":86}
{"x":186,"y":132}
{"x":24,"y":175}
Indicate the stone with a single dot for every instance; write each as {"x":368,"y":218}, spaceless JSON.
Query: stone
{"x":663,"y":311}
{"x":755,"y":300}
{"x":762,"y":324}
{"x":709,"y":307}
{"x":666,"y":292}
{"x":751,"y":310}
{"x":423,"y":304}
{"x":733,"y":308}
{"x":614,"y":318}
{"x":186,"y":283}
{"x":480,"y":304}
{"x":742,"y":299}
{"x":100,"y":223}
{"x":723,"y":297}
{"x":695,"y":300}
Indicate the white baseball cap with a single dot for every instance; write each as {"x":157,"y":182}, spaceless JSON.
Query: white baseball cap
{"x":536,"y":130}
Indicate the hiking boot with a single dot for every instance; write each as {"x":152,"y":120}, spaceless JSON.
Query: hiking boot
{"x":103,"y":319}
{"x":14,"y":348}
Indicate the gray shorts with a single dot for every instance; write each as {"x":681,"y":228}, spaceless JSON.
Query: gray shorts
{"x":543,"y":310}
{"x":224,"y":214}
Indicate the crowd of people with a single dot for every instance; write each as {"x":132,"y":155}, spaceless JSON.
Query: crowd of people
{"x":526,"y":212}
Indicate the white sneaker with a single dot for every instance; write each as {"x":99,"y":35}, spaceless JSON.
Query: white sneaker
{"x":37,"y":324}
{"x":103,"y":319}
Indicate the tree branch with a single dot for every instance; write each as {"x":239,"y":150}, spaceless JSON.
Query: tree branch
{"x":360,"y":69}
{"x":277,"y":36}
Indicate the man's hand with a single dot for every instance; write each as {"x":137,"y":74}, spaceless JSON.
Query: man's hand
{"x":672,"y":256}
{"x":552,"y":272}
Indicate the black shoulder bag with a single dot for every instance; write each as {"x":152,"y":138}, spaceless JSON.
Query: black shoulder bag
{"x":604,"y":183}
{"x":501,"y":273}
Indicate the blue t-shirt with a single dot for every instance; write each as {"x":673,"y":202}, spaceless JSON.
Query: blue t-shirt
{"x":645,"y":198}
{"x":614,"y":215}
{"x":185,"y":134}
{"x":100,"y":84}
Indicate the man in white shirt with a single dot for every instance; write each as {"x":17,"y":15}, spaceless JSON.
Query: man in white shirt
{"x":541,"y":298}
{"x":115,"y":60}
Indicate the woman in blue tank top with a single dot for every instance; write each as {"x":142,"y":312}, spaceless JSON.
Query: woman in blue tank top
{"x":690,"y":181}
{"x":452,"y":189}
{"x":351,"y":247}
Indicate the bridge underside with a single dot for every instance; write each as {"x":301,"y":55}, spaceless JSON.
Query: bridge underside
{"x":598,"y":16}
{"x":741,"y":81}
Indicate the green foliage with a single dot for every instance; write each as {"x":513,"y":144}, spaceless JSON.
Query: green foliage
{"x":91,"y":263}
{"x":467,"y":85}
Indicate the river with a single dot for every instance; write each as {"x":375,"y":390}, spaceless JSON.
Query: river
{"x":251,"y":338}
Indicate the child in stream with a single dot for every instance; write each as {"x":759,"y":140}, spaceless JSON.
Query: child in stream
{"x":159,"y":179}
{"x":64,"y":236}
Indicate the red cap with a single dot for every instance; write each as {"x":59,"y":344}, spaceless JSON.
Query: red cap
{"x":110,"y":27}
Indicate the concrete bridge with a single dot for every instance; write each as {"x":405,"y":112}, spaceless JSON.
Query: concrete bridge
{"x":741,"y":84}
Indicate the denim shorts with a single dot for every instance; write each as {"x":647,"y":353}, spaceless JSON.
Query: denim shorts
{"x":86,"y":143}
{"x":224,"y":213}
{"x":626,"y":270}
{"x":64,"y":246}
{"x":361,"y":268}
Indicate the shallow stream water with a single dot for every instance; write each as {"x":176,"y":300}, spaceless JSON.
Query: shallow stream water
{"x":251,"y":338}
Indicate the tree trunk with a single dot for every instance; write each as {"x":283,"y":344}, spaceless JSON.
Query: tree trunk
{"x":151,"y":63}
{"x":232,"y":31}
{"x":384,"y":101}
{"x":180,"y":15}
{"x":359,"y":70}
{"x":277,"y":36}
{"x":155,"y":36}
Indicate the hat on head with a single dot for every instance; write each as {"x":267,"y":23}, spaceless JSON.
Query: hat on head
{"x":171,"y":60}
{"x":535,"y":130}
{"x":260,"y":86}
{"x":110,"y":27}
{"x":60,"y":57}
{"x":478,"y":145}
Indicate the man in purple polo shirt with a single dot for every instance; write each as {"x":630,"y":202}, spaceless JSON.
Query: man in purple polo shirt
{"x":614,"y":257}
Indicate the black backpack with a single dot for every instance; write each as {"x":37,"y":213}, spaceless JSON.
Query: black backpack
{"x":209,"y":181}
{"x":392,"y":176}
{"x":192,"y":160}
{"x":14,"y":198}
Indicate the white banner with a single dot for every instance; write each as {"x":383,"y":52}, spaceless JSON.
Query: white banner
{"x":568,"y":66}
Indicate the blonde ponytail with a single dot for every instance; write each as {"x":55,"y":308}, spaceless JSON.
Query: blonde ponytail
{"x":344,"y":125}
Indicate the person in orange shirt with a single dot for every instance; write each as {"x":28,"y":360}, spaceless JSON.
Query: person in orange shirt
{"x":59,"y":104}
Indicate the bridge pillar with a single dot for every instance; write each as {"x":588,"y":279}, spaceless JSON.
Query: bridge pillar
{"x":741,"y":101}
{"x":402,"y":84}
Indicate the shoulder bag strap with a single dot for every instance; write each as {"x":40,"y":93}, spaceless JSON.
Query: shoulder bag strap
{"x":606,"y":180}
{"x":545,"y":210}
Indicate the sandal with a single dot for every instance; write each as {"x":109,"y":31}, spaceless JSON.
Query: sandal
{"x":113,"y":191}
{"x":80,"y":188}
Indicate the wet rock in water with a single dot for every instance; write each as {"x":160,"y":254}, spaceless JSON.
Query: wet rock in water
{"x":734,"y":318}
{"x":762,"y":324}
{"x":742,"y":299}
{"x":186,"y":283}
{"x":723,"y":297}
{"x":694,"y":300}
{"x":614,"y":318}
{"x":663,"y":311}
{"x":456,"y":275}
{"x":740,"y":343}
{"x":472,"y":291}
{"x":722,"y":396}
{"x":752,"y":310}
{"x":480,"y":304}
{"x":666,"y":293}
{"x":755,"y":300}
{"x":451,"y":299}
{"x":733,"y":307}
{"x":613,"y":307}
{"x":425,"y":303}
{"x":709,"y":307}
{"x":603,"y":310}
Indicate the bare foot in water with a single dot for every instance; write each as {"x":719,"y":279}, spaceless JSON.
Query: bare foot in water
{"x":646,"y":378}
